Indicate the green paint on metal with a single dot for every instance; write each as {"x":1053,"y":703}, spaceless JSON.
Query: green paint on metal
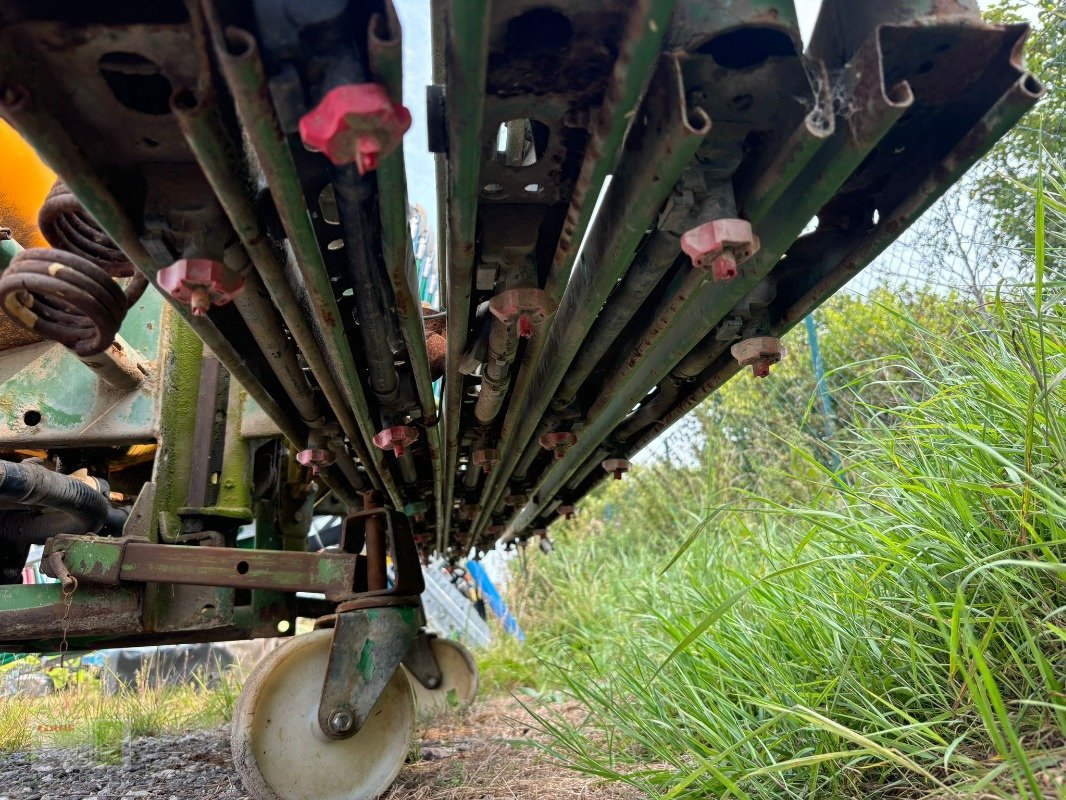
{"x":329,"y":571}
{"x":9,"y":248}
{"x":408,"y":614}
{"x":179,"y":392}
{"x":75,"y":405}
{"x":366,"y":661}
{"x":235,"y":484}
{"x":92,"y":555}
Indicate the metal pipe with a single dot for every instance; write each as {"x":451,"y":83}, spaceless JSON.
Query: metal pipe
{"x":997,"y":121}
{"x":118,"y":366}
{"x":634,"y":67}
{"x":239,"y":60}
{"x":386,"y":51}
{"x":530,"y":455}
{"x":654,"y":258}
{"x":637,"y":59}
{"x":350,"y":193}
{"x":262,"y":320}
{"x":824,"y":174}
{"x":386,"y":63}
{"x":660,"y":147}
{"x":496,"y":376}
{"x":227,"y":173}
{"x":466,"y":50}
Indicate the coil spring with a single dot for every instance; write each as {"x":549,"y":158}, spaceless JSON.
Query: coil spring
{"x":66,"y":225}
{"x":67,"y":298}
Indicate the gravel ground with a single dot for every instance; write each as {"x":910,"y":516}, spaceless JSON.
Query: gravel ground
{"x":190,"y":766}
{"x":480,"y":754}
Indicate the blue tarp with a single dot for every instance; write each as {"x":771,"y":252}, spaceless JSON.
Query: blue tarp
{"x":493,"y":600}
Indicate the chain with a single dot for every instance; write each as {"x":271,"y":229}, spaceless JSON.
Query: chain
{"x":70,"y":585}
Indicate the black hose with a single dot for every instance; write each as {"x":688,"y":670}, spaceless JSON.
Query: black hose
{"x":75,"y":507}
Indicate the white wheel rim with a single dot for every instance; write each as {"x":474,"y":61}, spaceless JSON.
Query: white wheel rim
{"x":459,"y":679}
{"x":279,"y":749}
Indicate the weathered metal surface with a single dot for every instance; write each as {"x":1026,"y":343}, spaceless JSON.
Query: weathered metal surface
{"x":665,"y":139}
{"x":108,"y":561}
{"x":466,"y":52}
{"x":386,"y":62}
{"x":43,"y":612}
{"x":948,"y":97}
{"x":367,"y":648}
{"x":238,"y":55}
{"x":421,"y":662}
{"x":45,"y":384}
{"x":539,"y":103}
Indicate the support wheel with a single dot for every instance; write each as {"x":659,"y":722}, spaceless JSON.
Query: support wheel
{"x":460,"y":679}
{"x":281,"y":753}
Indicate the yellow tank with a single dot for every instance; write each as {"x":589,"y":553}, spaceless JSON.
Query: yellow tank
{"x":24,"y":183}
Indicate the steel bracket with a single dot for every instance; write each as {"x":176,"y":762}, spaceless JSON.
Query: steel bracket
{"x":421,"y":662}
{"x":368,"y":646}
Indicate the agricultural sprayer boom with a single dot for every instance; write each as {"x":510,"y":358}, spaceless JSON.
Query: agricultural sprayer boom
{"x":215,"y":331}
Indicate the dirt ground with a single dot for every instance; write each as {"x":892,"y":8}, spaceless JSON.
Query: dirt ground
{"x":483,"y":753}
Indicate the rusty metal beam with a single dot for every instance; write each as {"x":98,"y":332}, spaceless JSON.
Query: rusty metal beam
{"x":109,"y":562}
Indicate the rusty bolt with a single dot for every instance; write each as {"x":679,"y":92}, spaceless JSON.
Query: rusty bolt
{"x":558,"y":442}
{"x":619,"y":466}
{"x":722,"y":243}
{"x":315,"y":458}
{"x":341,"y":720}
{"x":485,"y":459}
{"x":396,"y":438}
{"x":200,"y":283}
{"x":761,"y":352}
{"x":566,"y":512}
{"x":355,"y":122}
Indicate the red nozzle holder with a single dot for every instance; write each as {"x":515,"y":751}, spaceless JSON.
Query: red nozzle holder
{"x":618,"y":466}
{"x":558,"y":442}
{"x":357,"y":123}
{"x":315,"y":458}
{"x":200,"y":283}
{"x":396,"y":439}
{"x":722,"y":243}
{"x":485,"y":459}
{"x":760,"y":352}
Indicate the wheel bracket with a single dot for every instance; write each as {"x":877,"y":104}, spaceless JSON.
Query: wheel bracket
{"x":368,"y":646}
{"x":421,"y":662}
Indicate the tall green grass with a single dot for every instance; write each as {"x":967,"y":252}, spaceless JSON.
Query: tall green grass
{"x":896,"y":629}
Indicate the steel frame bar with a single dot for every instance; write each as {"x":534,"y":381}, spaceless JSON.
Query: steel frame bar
{"x":826,"y":171}
{"x":387,"y":65}
{"x":238,"y":56}
{"x":646,"y":174}
{"x":109,"y":562}
{"x":466,"y":53}
{"x":227,"y":175}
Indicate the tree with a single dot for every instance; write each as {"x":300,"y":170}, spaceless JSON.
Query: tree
{"x":1017,"y":159}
